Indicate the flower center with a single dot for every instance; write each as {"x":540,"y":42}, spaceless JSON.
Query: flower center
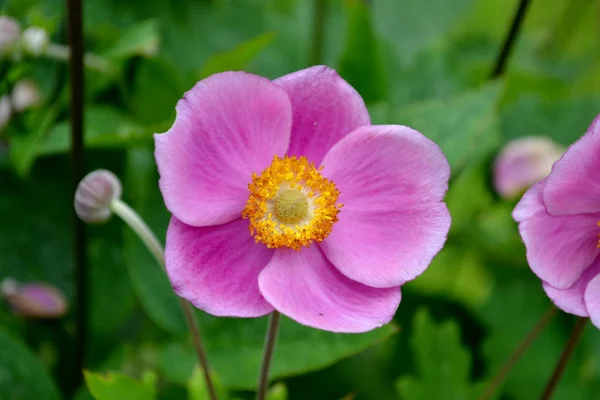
{"x":291,"y":204}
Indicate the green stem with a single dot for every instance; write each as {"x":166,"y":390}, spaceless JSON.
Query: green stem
{"x":519,"y":351}
{"x":270,"y":340}
{"x":564,"y":358}
{"x":137,"y":224}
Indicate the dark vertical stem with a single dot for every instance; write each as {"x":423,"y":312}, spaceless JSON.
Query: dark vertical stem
{"x":519,"y":351}
{"x":510,"y":39}
{"x":270,"y":340}
{"x":564,"y":358}
{"x":75,"y":35}
{"x":318,"y":38}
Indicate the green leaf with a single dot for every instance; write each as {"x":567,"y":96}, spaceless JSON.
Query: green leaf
{"x":364,"y":70}
{"x":237,"y":58}
{"x":278,"y":392}
{"x":464,"y":126}
{"x":299,"y":349}
{"x":22,"y":374}
{"x":197,"y":386}
{"x":457,"y":273}
{"x":443,"y":363}
{"x":142,"y":39}
{"x":105,"y":127}
{"x":113,"y":385}
{"x":147,"y":278}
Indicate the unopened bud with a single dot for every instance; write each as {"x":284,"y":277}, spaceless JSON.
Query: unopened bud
{"x":33,"y":300}
{"x":25,"y":94}
{"x":94,"y":195}
{"x":523,"y":162}
{"x":35,"y":40}
{"x":5,"y":111}
{"x":10,"y":31}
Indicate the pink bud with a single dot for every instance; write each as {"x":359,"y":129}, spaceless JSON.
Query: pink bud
{"x":25,"y":94}
{"x":10,"y":31}
{"x":33,"y":300}
{"x":5,"y":111}
{"x":523,"y":162}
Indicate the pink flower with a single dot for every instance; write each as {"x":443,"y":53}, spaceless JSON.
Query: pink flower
{"x":559,"y":221}
{"x":257,"y":226}
{"x":34,"y":300}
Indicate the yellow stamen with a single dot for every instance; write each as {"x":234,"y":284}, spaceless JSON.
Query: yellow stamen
{"x":291,"y":204}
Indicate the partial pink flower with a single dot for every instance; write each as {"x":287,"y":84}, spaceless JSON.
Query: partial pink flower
{"x":285,"y":198}
{"x":523,"y":162}
{"x":559,"y":221}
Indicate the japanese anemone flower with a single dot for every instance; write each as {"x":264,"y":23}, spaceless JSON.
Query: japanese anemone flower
{"x":559,"y":221}
{"x":285,"y":197}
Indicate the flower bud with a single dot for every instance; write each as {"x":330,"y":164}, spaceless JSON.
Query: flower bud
{"x":35,"y":40}
{"x":5,"y":111}
{"x":25,"y":94}
{"x":94,"y":194}
{"x":523,"y":162}
{"x":10,"y":30}
{"x":33,"y":300}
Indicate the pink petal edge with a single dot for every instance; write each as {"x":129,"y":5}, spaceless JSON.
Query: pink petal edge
{"x":228,"y":126}
{"x":325,"y":109}
{"x":392,"y":181}
{"x":573,"y":186}
{"x":304,"y":286}
{"x":217,"y":267}
{"x":592,"y":300}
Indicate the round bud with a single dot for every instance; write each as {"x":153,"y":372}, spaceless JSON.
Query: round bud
{"x":10,"y":31}
{"x":94,"y":195}
{"x":25,"y":94}
{"x":35,"y":40}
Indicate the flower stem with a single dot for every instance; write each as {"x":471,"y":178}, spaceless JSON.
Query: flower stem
{"x":137,"y":224}
{"x":270,"y":339}
{"x":519,"y":351}
{"x":75,"y":38}
{"x":318,"y":38}
{"x":564,"y":358}
{"x":510,"y":39}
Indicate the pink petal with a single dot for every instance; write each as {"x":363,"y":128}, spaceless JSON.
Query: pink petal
{"x":592,"y":300}
{"x":392,"y":180}
{"x":325,"y":109}
{"x":217,"y":267}
{"x":304,"y":286}
{"x":571,"y":300}
{"x":573,"y":186}
{"x":227,"y":127}
{"x":559,"y":249}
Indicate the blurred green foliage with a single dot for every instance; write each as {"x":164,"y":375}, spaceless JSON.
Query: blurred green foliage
{"x":422,"y":63}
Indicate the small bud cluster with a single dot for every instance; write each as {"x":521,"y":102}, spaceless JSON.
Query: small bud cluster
{"x":25,"y":94}
{"x":15,"y":42}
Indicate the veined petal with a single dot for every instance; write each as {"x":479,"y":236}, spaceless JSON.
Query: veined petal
{"x":573,"y":186}
{"x":304,"y":286}
{"x":217,"y":267}
{"x":559,"y":249}
{"x":325,"y":109}
{"x":392,"y":181}
{"x":592,"y":300}
{"x":571,"y":300}
{"x":228,"y":126}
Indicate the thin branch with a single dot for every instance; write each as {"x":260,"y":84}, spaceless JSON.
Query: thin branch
{"x":510,"y":39}
{"x":75,"y":36}
{"x":519,"y":351}
{"x":270,"y":340}
{"x":137,"y":224}
{"x":564,"y":358}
